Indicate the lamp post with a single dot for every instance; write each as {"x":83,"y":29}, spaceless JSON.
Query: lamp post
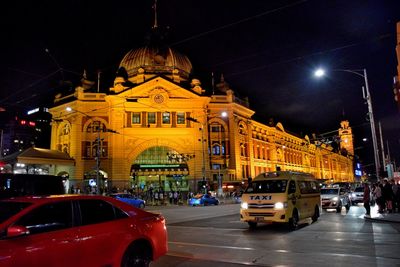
{"x":98,"y":148}
{"x":203,"y":140}
{"x":203,"y":165}
{"x":366,"y":95}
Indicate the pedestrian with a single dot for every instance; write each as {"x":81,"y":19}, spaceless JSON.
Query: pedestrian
{"x":378,"y":197}
{"x":171,"y":197}
{"x":373,"y":199}
{"x":161,"y":197}
{"x":366,"y":199}
{"x":175,"y":197}
{"x":388,"y":195}
{"x":156,"y":198}
{"x":396,"y":194}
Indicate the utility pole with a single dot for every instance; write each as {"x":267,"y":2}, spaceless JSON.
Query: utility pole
{"x":98,"y":128}
{"x":367,"y":97}
{"x":382,"y":145}
{"x":203,"y":167}
{"x":98,"y":151}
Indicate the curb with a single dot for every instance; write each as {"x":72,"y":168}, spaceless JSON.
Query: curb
{"x":384,"y":220}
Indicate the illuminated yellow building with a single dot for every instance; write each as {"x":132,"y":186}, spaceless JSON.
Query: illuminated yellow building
{"x":157,"y":127}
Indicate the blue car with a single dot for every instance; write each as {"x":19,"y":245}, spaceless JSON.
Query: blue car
{"x":130,"y":199}
{"x":203,"y":199}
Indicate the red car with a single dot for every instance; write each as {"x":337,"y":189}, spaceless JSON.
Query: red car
{"x":77,"y":230}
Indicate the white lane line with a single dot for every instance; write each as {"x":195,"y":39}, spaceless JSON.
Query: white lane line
{"x":207,"y":245}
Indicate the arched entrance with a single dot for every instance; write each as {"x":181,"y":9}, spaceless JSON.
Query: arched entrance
{"x":154,"y":170}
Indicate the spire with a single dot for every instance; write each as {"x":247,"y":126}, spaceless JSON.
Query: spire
{"x":223,"y":86}
{"x":155,"y":15}
{"x":212,"y":83}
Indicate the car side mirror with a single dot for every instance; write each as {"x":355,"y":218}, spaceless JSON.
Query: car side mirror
{"x":17,"y":230}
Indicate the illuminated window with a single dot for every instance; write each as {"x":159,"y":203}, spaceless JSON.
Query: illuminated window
{"x":151,"y":118}
{"x":180,"y":118}
{"x":135,"y":117}
{"x":166,"y":118}
{"x":216,"y":128}
{"x":90,"y":149}
{"x":216,"y":149}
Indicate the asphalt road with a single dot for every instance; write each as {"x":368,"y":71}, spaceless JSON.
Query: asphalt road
{"x":214,"y":236}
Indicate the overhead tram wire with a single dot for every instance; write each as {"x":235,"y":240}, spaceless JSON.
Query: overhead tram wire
{"x":30,"y":85}
{"x":298,"y":58}
{"x":238,"y":22}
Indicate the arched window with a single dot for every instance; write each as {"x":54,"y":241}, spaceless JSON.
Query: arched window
{"x":96,"y":126}
{"x":91,"y":147}
{"x":63,"y":141}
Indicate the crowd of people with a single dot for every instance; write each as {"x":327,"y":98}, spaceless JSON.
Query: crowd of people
{"x":385,"y":194}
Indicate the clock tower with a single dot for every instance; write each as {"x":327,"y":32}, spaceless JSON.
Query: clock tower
{"x":346,"y":137}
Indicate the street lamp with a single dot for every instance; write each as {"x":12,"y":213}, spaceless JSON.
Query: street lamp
{"x":69,"y":109}
{"x":203,"y":140}
{"x":203,"y":166}
{"x":98,"y":148}
{"x":366,"y":95}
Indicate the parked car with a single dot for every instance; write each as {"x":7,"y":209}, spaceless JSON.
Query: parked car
{"x":130,"y":199}
{"x":357,"y":196}
{"x":335,"y":198}
{"x":203,"y":199}
{"x":78,"y":230}
{"x":237,"y":199}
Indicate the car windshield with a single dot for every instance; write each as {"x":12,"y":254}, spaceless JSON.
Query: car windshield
{"x":329,"y":191}
{"x":9,"y":209}
{"x":359,"y":189}
{"x":268,"y":186}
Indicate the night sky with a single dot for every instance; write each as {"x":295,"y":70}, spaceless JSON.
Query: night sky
{"x":266,"y":50}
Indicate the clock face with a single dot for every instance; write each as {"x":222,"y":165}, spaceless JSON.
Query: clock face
{"x":158,"y":98}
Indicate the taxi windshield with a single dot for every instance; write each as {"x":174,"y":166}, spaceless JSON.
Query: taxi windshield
{"x":267,"y":186}
{"x":329,"y":191}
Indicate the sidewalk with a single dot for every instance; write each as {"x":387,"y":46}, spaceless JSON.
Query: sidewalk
{"x":382,"y":217}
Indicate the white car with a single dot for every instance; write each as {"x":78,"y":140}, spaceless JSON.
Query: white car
{"x":334,"y":198}
{"x":357,"y":196}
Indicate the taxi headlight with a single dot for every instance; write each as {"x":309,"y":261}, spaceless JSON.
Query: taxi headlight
{"x":244,"y":205}
{"x":280,"y":205}
{"x":335,"y":199}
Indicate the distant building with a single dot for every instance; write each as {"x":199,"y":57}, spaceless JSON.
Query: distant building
{"x":23,"y":131}
{"x":158,"y":129}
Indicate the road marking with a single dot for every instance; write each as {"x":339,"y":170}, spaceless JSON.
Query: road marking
{"x":207,"y":245}
{"x":203,"y":227}
{"x":193,"y":257}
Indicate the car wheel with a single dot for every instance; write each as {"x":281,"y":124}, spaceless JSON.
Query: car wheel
{"x":293,"y":223}
{"x":141,"y":205}
{"x":316,"y":214}
{"x":137,"y":256}
{"x":217,"y":203}
{"x":339,"y":208}
{"x":252,"y":225}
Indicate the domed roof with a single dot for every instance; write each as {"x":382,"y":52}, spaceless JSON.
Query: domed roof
{"x":155,"y":60}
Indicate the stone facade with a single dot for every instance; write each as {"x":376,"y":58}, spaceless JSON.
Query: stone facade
{"x":160,"y":130}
